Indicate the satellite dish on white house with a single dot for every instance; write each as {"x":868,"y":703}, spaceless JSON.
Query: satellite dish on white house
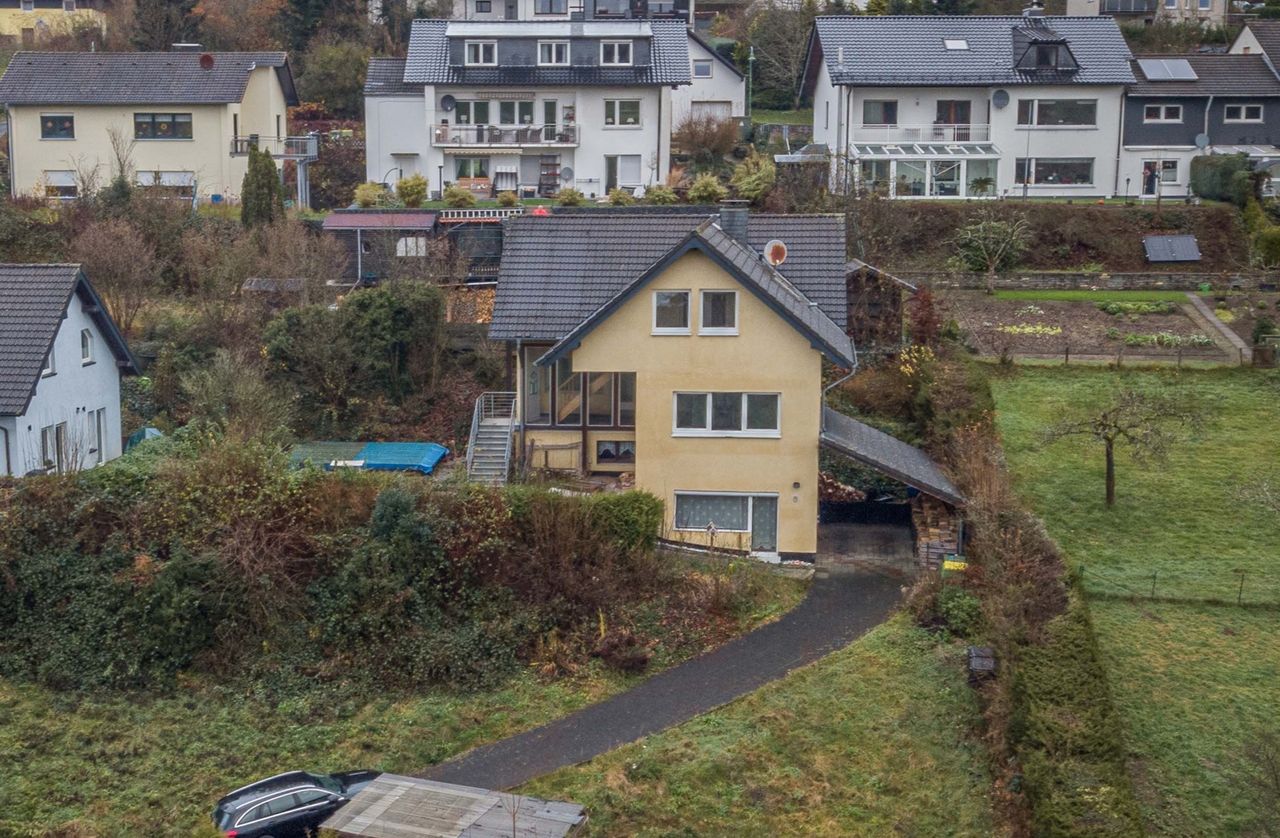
{"x":775,"y":252}
{"x":447,"y":102}
{"x":566,"y":173}
{"x":1000,"y":98}
{"x":1202,"y":140}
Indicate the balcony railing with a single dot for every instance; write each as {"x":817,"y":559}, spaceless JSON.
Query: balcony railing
{"x":514,"y":136}
{"x":1128,"y":7}
{"x":933,"y":133}
{"x":288,"y":148}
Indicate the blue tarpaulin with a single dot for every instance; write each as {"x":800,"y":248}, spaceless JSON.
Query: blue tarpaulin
{"x":402,"y":456}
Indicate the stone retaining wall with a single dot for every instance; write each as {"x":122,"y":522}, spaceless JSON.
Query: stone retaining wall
{"x":1260,"y":281}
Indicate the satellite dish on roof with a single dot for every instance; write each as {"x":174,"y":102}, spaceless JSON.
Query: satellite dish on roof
{"x":1202,"y":140}
{"x":566,"y":174}
{"x":1000,"y":98}
{"x":447,"y":102}
{"x":775,"y":252}
{"x":206,"y":61}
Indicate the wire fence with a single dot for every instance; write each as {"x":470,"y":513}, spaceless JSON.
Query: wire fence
{"x":1245,"y":588}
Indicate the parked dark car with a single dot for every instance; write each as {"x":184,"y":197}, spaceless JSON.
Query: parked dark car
{"x":291,"y":805}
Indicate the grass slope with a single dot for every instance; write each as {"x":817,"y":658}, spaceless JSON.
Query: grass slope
{"x":148,"y":764}
{"x":873,"y":740}
{"x":1193,"y":682}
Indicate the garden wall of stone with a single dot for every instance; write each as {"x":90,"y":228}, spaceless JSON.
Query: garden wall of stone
{"x":1053,"y":280}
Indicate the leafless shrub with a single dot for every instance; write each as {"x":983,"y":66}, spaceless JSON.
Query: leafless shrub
{"x":706,"y":138}
{"x":121,"y":266}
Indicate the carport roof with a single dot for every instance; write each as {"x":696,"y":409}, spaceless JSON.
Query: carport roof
{"x":893,"y":457}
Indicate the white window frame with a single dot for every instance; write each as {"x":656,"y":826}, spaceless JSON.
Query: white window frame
{"x":411,"y":246}
{"x":1206,"y":5}
{"x":555,"y":46}
{"x":617,"y":49}
{"x":615,"y":105}
{"x":28,"y":5}
{"x":86,"y":347}
{"x":1164,"y":111}
{"x":1059,"y":126}
{"x":955,"y":44}
{"x":58,"y":115}
{"x":688,"y":312}
{"x":480,"y":51}
{"x":743,"y":432}
{"x":703,"y":328}
{"x":50,"y":365}
{"x":708,"y":64}
{"x":1244,"y":111}
{"x":750,"y":496}
{"x":98,"y":419}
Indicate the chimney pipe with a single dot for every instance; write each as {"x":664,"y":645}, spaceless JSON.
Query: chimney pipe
{"x":1036,"y":9}
{"x":733,"y":219}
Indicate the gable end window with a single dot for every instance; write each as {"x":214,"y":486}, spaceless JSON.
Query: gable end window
{"x":1242,"y":113}
{"x":719,"y":312}
{"x":482,"y":53}
{"x":615,"y":53}
{"x":86,"y":347}
{"x":57,"y":126}
{"x":671,"y":312}
{"x":702,"y":68}
{"x":726,"y":414}
{"x":50,"y":364}
{"x":553,"y":53}
{"x":1162,"y":113}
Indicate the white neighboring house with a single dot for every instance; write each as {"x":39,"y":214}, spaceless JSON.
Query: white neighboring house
{"x":959,"y":107}
{"x":61,"y":358}
{"x":716,"y":89}
{"x":528,"y":106}
{"x":1213,"y":12}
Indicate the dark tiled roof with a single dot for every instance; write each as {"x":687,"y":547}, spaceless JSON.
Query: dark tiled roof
{"x":753,"y":272}
{"x":887,"y":454}
{"x":1268,"y":34}
{"x":909,"y":50}
{"x":386,"y":78}
{"x":1223,"y":75}
{"x":559,"y":270}
{"x":33,"y":299}
{"x":106,"y":78}
{"x":428,"y":61}
{"x":709,"y":47}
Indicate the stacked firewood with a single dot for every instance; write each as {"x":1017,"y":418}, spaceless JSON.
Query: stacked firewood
{"x":937,"y":533}
{"x":831,"y":490}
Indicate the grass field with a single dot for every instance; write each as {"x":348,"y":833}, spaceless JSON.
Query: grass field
{"x":140,"y":764}
{"x":1073,"y":296}
{"x":873,"y":740}
{"x":1193,"y":682}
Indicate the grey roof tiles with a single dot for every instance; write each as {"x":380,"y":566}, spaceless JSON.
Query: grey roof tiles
{"x":107,"y":78}
{"x":428,"y":61}
{"x":909,"y":50}
{"x":1230,"y":75}
{"x":887,"y":454}
{"x":386,"y":78}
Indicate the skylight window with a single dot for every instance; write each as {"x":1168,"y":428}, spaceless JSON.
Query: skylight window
{"x":955,"y":43}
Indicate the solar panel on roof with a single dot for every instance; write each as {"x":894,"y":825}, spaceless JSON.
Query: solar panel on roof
{"x":1167,"y":69}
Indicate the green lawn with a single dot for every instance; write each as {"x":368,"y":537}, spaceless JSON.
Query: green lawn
{"x":1094,"y":296}
{"x":1193,"y":682}
{"x":154,"y":764}
{"x":804,"y":116}
{"x":877,"y":739}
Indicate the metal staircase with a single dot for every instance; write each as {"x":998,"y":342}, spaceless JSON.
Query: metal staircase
{"x":489,"y":448}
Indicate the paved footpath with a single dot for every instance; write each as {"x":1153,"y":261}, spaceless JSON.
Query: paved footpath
{"x":839,"y":607}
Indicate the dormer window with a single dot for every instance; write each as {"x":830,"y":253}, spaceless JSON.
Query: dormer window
{"x":482,"y":53}
{"x":553,"y":53}
{"x":615,"y":53}
{"x":955,"y":43}
{"x":1046,"y":56}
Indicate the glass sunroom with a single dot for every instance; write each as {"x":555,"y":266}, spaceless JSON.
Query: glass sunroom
{"x":927,"y":170}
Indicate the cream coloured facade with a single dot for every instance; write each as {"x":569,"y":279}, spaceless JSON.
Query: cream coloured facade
{"x":24,"y":22}
{"x":196,"y":149}
{"x":777,"y":470}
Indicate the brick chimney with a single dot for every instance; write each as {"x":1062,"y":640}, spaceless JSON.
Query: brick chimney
{"x":733,"y":219}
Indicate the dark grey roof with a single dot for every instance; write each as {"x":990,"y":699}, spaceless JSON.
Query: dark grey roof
{"x":559,"y":270}
{"x":908,"y":50}
{"x":1171,"y":248}
{"x":107,"y":78}
{"x":428,"y":61}
{"x":753,"y":272}
{"x":33,"y":299}
{"x":1220,"y":75}
{"x":1268,"y":34}
{"x":709,"y":47}
{"x":888,"y":455}
{"x":386,"y":78}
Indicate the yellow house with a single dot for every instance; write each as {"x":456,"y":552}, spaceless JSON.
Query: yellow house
{"x":665,"y":346}
{"x":23,"y":21}
{"x":179,"y":121}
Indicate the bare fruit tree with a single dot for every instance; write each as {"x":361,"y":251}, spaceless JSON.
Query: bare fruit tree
{"x":121,"y":266}
{"x":1147,"y":423}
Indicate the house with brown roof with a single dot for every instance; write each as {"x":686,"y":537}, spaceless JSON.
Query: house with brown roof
{"x":181,"y":122}
{"x":1183,"y":106}
{"x":61,"y":359}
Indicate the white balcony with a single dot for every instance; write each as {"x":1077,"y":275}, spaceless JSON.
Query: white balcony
{"x":504,"y":136}
{"x":930,"y":133}
{"x":305,"y":148}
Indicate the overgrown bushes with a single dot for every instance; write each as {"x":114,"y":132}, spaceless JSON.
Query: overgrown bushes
{"x":206,"y":552}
